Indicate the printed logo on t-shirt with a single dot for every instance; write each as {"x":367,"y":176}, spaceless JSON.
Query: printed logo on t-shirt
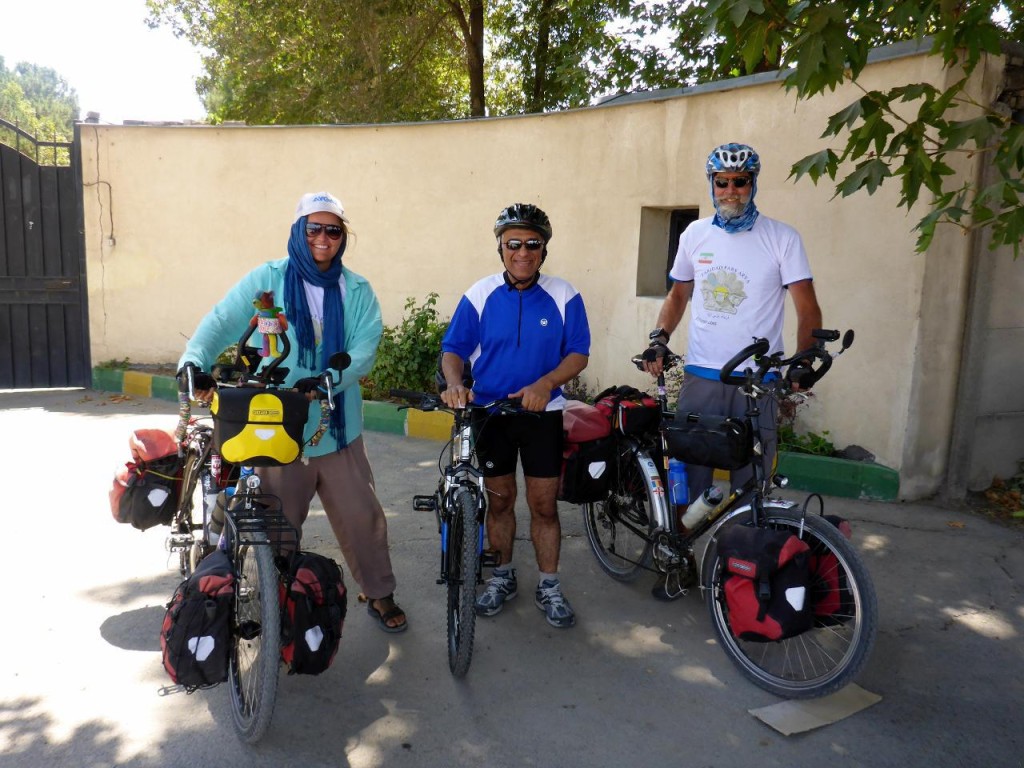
{"x":705,"y":258}
{"x":723,"y":291}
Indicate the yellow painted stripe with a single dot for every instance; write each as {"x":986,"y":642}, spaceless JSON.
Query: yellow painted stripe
{"x":136,"y":383}
{"x":429,"y":426}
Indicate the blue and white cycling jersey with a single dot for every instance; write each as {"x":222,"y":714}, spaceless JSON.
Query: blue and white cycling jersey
{"x":513,"y":337}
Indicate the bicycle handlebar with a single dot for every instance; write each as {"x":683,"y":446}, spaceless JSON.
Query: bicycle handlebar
{"x":802,"y":365}
{"x":426,"y":401}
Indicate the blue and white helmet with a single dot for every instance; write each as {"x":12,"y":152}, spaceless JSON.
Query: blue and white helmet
{"x":733,"y":158}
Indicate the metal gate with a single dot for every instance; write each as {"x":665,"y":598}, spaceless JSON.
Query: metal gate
{"x":44,"y":328}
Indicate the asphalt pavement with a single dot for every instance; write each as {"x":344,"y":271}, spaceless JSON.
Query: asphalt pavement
{"x":636,"y":682}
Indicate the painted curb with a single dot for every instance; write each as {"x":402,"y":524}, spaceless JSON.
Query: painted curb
{"x":819,"y":474}
{"x":429,"y":426}
{"x":840,"y":477}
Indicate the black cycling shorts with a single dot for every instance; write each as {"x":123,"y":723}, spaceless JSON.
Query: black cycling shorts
{"x":534,"y":437}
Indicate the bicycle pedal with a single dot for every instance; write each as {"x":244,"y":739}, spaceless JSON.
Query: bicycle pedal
{"x":424,"y":503}
{"x":490,"y":558}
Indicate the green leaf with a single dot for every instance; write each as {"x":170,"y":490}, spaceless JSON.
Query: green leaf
{"x":869,"y":174}
{"x":978,"y":131}
{"x":844,"y":119}
{"x":816,"y":165}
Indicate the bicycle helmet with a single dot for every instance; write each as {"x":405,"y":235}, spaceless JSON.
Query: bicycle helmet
{"x":735,"y":158}
{"x":526,"y":216}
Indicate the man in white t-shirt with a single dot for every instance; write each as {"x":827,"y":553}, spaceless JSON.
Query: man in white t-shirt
{"x":734,"y":270}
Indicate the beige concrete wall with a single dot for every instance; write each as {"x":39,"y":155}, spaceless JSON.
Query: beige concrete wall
{"x":174,"y":215}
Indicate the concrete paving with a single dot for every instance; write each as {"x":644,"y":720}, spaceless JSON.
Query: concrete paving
{"x":635,"y":682}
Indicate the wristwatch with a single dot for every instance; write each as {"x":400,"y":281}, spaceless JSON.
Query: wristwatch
{"x":659,"y":333}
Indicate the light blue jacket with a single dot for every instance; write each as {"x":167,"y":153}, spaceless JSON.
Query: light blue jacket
{"x":229,"y":319}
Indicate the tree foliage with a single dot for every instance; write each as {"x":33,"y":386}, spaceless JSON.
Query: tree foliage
{"x":910,"y":133}
{"x":293,"y":62}
{"x":38,"y":101}
{"x":284,"y":61}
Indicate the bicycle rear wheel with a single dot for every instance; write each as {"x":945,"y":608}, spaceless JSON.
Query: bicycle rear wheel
{"x":464,"y":554}
{"x":830,"y":654}
{"x":256,"y":641}
{"x":619,"y":526}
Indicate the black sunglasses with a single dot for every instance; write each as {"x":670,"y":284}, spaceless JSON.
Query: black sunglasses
{"x":739,"y":183}
{"x":333,"y":231}
{"x":531,"y":245}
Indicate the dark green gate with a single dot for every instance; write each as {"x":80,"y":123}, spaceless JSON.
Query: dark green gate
{"x":44,"y":328}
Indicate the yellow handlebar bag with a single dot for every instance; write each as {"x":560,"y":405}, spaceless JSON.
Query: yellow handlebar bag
{"x":259,"y":427}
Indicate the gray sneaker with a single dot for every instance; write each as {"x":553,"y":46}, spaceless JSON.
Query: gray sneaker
{"x":556,"y":608}
{"x":500,"y":587}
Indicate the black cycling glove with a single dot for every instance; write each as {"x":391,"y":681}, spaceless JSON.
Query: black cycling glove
{"x":200,"y":380}
{"x":655,"y":350}
{"x":801,"y":373}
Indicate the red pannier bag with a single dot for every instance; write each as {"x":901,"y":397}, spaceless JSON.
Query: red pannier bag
{"x":831,"y":598}
{"x":628,"y":410}
{"x":586,"y":454}
{"x":145,"y":490}
{"x":766,"y":580}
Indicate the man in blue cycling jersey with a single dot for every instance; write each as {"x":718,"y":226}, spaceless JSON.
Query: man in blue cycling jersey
{"x":737,"y":267}
{"x":525,"y":335}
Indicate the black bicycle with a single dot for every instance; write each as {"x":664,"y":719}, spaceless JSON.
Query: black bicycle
{"x":247,"y":523}
{"x":460,"y":504}
{"x":634,"y":529}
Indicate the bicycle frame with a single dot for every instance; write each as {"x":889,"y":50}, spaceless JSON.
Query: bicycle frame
{"x":459,"y":473}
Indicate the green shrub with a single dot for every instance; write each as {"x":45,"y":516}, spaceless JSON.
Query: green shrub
{"x":407,"y":355}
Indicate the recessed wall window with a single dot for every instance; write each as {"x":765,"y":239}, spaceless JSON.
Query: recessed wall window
{"x":659,"y":237}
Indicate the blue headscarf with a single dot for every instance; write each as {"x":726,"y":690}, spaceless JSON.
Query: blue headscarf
{"x":745,"y":220}
{"x":302,"y":268}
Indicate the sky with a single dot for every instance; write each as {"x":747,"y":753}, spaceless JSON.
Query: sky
{"x":118,"y":66}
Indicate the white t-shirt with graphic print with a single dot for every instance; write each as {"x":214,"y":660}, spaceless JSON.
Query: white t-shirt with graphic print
{"x":739,"y":282}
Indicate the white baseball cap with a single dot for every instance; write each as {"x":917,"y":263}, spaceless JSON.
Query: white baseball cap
{"x":313,"y":202}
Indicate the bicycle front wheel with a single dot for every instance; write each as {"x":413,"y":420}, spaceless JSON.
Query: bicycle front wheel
{"x":256,"y":641}
{"x":464,"y":551}
{"x":619,"y":526}
{"x":828,"y":656}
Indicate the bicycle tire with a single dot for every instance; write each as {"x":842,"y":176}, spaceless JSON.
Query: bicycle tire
{"x":256,"y":639}
{"x":464,"y":551}
{"x":191,"y":500}
{"x":829,"y":655}
{"x":612,"y":523}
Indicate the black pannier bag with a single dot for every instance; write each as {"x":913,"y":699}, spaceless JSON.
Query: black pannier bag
{"x":259,"y":427}
{"x":151,"y":491}
{"x":313,"y":608}
{"x":711,"y":441}
{"x":587,"y":470}
{"x":196,"y":630}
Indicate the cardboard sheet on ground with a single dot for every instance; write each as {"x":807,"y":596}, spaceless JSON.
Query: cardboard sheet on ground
{"x":789,"y":717}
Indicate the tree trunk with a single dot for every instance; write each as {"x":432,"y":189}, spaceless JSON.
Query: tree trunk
{"x":473,"y":37}
{"x":535,"y":99}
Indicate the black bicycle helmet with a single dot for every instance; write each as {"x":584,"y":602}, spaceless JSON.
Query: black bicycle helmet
{"x":526,"y":216}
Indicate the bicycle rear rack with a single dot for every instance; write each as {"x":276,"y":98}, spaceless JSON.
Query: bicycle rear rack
{"x":252,"y":516}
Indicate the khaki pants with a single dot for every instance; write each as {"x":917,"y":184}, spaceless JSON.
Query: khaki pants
{"x":344,"y":482}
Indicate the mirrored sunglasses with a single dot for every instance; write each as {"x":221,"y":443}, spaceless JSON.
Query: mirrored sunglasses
{"x":738,"y":183}
{"x":333,"y":231}
{"x":531,"y":245}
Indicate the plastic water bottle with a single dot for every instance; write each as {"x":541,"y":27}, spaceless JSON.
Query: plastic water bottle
{"x":701,"y":507}
{"x":678,"y":493}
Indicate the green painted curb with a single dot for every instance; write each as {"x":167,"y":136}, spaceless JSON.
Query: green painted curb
{"x":107,"y":379}
{"x":165,"y":388}
{"x":383,"y":417}
{"x":839,"y":477}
